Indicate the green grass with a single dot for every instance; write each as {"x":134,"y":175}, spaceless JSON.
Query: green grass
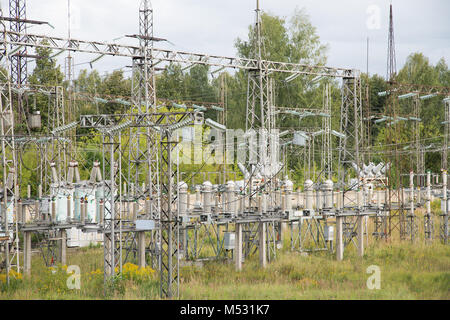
{"x":408,"y":271}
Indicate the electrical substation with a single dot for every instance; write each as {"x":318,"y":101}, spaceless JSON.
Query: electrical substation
{"x":152,"y":213}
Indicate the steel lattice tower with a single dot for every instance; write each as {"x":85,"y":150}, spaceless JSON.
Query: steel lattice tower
{"x":446,"y":135}
{"x":143,"y":150}
{"x":397,"y":219}
{"x":327,"y":155}
{"x":19,"y":75}
{"x":391,"y":61}
{"x":351,"y":124}
{"x":17,"y":11}
{"x":9,"y":168}
{"x":260,"y":104}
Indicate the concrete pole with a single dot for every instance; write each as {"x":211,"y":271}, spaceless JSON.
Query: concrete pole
{"x":238,"y":247}
{"x":360,"y":226}
{"x":20,"y":211}
{"x":27,"y":252}
{"x":428,"y":233}
{"x":63,"y":247}
{"x":444,"y":183}
{"x":262,"y":245}
{"x":411,"y":200}
{"x":361,"y":235}
{"x":339,"y":239}
{"x":141,"y":249}
{"x":428,"y":205}
{"x":28,"y":192}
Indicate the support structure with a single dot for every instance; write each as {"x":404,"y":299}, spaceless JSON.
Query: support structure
{"x":9,"y":229}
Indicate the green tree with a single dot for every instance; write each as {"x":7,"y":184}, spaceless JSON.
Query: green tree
{"x":46,"y":72}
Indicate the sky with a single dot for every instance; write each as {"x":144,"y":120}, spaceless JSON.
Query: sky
{"x":212,"y":26}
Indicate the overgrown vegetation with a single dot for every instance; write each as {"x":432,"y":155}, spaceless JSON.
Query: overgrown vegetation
{"x":408,"y":271}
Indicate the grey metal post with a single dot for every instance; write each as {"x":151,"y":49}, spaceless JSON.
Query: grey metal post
{"x":428,"y":219}
{"x":141,"y":249}
{"x":262,"y":245}
{"x":360,"y":227}
{"x":20,"y":211}
{"x":27,"y":252}
{"x":339,"y":238}
{"x":238,"y":247}
{"x":411,"y":200}
{"x":445,"y":214}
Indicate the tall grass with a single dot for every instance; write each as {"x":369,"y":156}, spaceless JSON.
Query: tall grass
{"x":408,"y":271}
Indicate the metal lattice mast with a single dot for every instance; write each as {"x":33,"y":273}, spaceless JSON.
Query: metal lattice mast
{"x":143,"y":141}
{"x":112,"y":206}
{"x":17,"y":11}
{"x":9,"y":168}
{"x":444,"y":231}
{"x":397,"y":219}
{"x":446,"y":134}
{"x":327,"y":156}
{"x":69,"y":75}
{"x":351,"y":124}
{"x":223,"y":99}
{"x":19,"y":75}
{"x":367,"y":123}
{"x":419,"y":154}
{"x":392,"y":61}
{"x":259,"y":115}
{"x":57,"y":150}
{"x":169,"y":266}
